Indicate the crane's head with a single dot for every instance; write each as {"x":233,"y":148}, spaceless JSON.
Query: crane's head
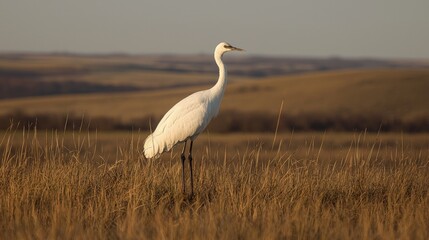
{"x":224,"y":47}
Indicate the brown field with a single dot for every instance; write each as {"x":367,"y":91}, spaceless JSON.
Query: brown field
{"x":117,"y":92}
{"x":251,"y":182}
{"x":304,"y":186}
{"x":347,"y":100}
{"x":391,"y":93}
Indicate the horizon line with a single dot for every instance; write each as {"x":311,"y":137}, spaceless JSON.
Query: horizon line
{"x":256,"y":55}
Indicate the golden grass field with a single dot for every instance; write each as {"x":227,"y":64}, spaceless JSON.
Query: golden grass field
{"x":57,"y":184}
{"x":71,"y":185}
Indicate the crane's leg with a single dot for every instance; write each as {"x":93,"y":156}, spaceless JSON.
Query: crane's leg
{"x":182,"y":156}
{"x":190,"y":166}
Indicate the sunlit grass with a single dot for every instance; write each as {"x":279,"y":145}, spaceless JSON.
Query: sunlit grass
{"x":64,"y":185}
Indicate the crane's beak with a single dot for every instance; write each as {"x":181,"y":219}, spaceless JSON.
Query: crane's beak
{"x":237,"y":49}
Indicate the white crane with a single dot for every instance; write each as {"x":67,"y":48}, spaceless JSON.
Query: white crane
{"x":189,"y":117}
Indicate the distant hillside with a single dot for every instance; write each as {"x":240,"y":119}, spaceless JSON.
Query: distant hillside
{"x":22,"y":87}
{"x":23,"y":75}
{"x":386,"y":99}
{"x":390,"y":92}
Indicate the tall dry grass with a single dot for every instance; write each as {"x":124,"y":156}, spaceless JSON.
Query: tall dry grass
{"x":52,"y":188}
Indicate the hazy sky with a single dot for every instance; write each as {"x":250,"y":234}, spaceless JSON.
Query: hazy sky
{"x":358,"y":28}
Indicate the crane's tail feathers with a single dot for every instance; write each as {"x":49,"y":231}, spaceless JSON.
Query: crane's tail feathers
{"x":155,"y":145}
{"x":151,"y":147}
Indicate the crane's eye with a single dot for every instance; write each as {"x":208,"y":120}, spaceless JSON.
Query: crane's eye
{"x":227,"y":46}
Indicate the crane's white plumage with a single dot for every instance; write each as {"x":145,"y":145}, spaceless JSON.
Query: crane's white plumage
{"x":189,"y":117}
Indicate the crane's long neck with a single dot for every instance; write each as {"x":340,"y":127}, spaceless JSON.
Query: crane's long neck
{"x":219,"y":88}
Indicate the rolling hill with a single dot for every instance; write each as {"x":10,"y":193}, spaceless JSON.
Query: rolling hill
{"x":378,"y":95}
{"x":26,"y":75}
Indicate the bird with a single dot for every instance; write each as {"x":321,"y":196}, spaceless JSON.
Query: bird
{"x":189,"y":117}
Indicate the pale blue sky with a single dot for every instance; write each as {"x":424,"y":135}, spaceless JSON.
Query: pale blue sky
{"x":323,"y":28}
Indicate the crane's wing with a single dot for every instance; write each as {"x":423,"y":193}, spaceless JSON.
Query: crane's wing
{"x":185,"y":120}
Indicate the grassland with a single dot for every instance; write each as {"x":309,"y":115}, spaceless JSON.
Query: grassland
{"x":117,"y":92}
{"x":302,"y":186}
{"x":250,"y":184}
{"x":390,"y":92}
{"x":340,"y":100}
